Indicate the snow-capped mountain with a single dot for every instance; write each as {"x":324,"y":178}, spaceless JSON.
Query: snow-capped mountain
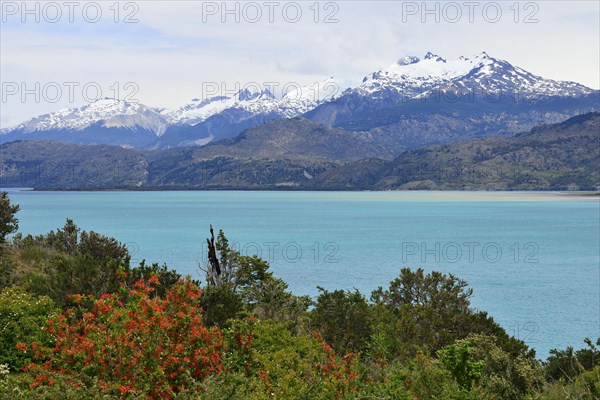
{"x":105,"y":121}
{"x":197,"y":110}
{"x":413,"y":77}
{"x":201,"y":121}
{"x":293,"y":103}
{"x":109,"y":112}
{"x":110,"y":121}
{"x":414,"y":102}
{"x":434,"y":85}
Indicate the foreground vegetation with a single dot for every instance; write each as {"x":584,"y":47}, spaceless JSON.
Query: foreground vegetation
{"x":78,"y":322}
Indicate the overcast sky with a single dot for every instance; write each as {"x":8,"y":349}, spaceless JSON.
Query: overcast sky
{"x":175,"y":51}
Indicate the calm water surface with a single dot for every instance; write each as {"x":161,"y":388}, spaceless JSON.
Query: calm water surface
{"x":533,"y":259}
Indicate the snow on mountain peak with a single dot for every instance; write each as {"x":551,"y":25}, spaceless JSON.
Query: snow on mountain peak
{"x":251,"y":97}
{"x":408,"y":60}
{"x":258,"y":100}
{"x":253,"y":93}
{"x":412,"y":72}
{"x":431,"y":56}
{"x":410,"y":78}
{"x":414,"y":77}
{"x":107,"y":111}
{"x":318,"y":92}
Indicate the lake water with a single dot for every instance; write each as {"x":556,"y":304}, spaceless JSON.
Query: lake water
{"x":533,"y":259}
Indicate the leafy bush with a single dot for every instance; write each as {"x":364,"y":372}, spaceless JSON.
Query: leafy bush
{"x":167,"y":277}
{"x":585,"y":386}
{"x":8,"y":272}
{"x":131,"y":342}
{"x":245,"y":282}
{"x":432,"y":311}
{"x":59,"y":387}
{"x":278,"y":364}
{"x":458,"y":359}
{"x":567,"y":364}
{"x":220,"y":304}
{"x":504,"y":376}
{"x":344,"y":320}
{"x":588,"y":384}
{"x":22,"y":319}
{"x":70,"y":261}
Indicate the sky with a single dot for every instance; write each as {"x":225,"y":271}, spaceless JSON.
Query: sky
{"x":164,"y":53}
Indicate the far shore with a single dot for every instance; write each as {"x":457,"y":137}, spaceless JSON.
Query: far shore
{"x":392,"y":195}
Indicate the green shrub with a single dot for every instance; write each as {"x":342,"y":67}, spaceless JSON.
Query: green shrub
{"x":220,"y":304}
{"x":23,"y":317}
{"x":458,"y":359}
{"x":432,"y":311}
{"x":131,"y":342}
{"x":344,"y":320}
{"x":247,"y":279}
{"x":8,"y":272}
{"x":166,"y":276}
{"x":567,"y":364}
{"x":504,"y":376}
{"x":70,"y":261}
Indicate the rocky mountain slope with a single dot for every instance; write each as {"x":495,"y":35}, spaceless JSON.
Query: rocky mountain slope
{"x":563,"y":156}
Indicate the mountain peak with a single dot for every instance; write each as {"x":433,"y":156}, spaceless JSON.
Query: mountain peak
{"x":430,"y":56}
{"x":108,"y":112}
{"x":414,"y":78}
{"x":477,"y":57}
{"x":254,"y":100}
{"x":253,"y":93}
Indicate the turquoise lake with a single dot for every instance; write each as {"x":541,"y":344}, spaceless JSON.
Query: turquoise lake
{"x":533,"y":259}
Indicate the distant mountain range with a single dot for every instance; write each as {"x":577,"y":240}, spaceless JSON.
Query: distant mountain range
{"x":123,"y":123}
{"x":301,"y":154}
{"x":412,"y":104}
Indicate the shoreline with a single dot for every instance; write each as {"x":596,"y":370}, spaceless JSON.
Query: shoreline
{"x":370,"y":195}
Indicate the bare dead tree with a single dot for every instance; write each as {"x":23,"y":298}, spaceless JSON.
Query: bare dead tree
{"x":213,"y":271}
{"x":222,"y":266}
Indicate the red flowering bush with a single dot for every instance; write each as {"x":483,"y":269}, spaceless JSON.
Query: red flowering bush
{"x":131,"y":342}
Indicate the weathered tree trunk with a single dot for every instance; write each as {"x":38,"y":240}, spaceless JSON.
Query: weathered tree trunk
{"x":213,"y":274}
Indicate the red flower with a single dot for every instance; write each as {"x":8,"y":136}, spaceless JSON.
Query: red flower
{"x":154,"y":280}
{"x":22,"y":346}
{"x":124,"y":389}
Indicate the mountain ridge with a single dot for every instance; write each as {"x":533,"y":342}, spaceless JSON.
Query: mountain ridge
{"x":415,"y":102}
{"x":561,"y":156}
